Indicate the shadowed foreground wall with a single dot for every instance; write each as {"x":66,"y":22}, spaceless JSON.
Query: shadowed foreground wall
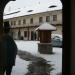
{"x":73,"y":37}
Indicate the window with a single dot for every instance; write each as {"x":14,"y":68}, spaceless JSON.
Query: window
{"x":54,"y":17}
{"x":40,"y":19}
{"x":14,"y":22}
{"x":19,"y":22}
{"x":24,"y":21}
{"x":47,"y":18}
{"x":31,"y":21}
{"x":25,"y":33}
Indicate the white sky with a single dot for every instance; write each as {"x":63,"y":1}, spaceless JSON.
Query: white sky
{"x":14,"y":5}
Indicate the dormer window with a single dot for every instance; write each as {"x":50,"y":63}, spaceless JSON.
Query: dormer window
{"x":30,"y":10}
{"x":52,"y":6}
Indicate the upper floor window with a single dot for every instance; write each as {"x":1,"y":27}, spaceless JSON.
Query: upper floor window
{"x":40,"y":19}
{"x":31,"y":21}
{"x":24,"y":21}
{"x":47,"y":18}
{"x":14,"y":22}
{"x":54,"y":17}
{"x":19,"y":22}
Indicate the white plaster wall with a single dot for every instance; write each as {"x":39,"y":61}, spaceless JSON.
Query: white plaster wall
{"x":58,"y":31}
{"x":15,"y":33}
{"x":59,"y":17}
{"x":36,"y":18}
{"x":36,"y":22}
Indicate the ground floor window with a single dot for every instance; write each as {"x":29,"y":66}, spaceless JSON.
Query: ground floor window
{"x":33,"y":35}
{"x":25,"y":33}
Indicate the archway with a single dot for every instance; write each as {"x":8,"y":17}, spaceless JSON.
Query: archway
{"x":1,"y":14}
{"x":2,"y":6}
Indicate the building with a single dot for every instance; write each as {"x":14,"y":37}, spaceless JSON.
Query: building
{"x":23,"y":23}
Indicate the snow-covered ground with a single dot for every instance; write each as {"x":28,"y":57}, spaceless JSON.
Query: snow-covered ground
{"x":20,"y":67}
{"x":32,"y":46}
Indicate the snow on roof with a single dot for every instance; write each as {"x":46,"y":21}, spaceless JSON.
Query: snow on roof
{"x":23,"y":13}
{"x":43,"y":6}
{"x":46,"y":26}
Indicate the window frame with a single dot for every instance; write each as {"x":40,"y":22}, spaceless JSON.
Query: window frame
{"x":31,"y":20}
{"x":19,"y":22}
{"x":47,"y":18}
{"x":24,"y":21}
{"x":40,"y":19}
{"x":54,"y":17}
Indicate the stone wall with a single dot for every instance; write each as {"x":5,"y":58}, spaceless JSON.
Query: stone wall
{"x":45,"y":48}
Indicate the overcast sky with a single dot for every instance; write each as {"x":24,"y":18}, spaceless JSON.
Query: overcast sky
{"x":16,"y":5}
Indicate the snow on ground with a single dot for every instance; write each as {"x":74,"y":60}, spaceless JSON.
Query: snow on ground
{"x":56,"y":60}
{"x":20,"y":67}
{"x":32,"y":47}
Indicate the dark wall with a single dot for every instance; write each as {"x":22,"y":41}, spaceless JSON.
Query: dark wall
{"x":73,"y":37}
{"x":45,"y":36}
